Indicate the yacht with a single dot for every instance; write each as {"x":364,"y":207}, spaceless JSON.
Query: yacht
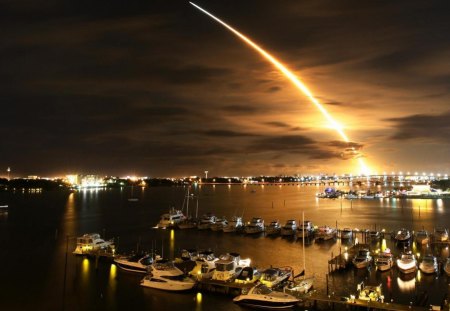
{"x":362,"y":259}
{"x":403,"y":236}
{"x":346,"y":234}
{"x":305,"y":229}
{"x":171,"y":219}
{"x":289,"y":228}
{"x":188,"y":223}
{"x":384,"y":261}
{"x":273,"y":228}
{"x":273,"y":277}
{"x":407,"y":263}
{"x":422,"y":237}
{"x":164,"y":275}
{"x":440,"y":234}
{"x":134,"y":263}
{"x":300,"y":286}
{"x":326,"y":233}
{"x":190,"y":254}
{"x":228,"y":266}
{"x":206,"y":221}
{"x":262,"y":297}
{"x":219,"y":224}
{"x":428,"y":264}
{"x":205,"y":265}
{"x":248,"y":275}
{"x":256,"y":225}
{"x":92,"y":242}
{"x":234,"y":225}
{"x":447,"y":267}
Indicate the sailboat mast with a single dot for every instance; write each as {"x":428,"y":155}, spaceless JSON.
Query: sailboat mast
{"x":303,"y":229}
{"x":187,"y":203}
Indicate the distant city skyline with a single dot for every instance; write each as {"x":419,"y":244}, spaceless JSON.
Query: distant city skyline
{"x":159,"y":89}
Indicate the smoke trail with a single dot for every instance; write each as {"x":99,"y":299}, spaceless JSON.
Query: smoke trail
{"x":296,"y":81}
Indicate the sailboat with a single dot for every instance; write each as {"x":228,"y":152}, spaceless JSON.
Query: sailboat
{"x":189,"y":222}
{"x":304,"y":284}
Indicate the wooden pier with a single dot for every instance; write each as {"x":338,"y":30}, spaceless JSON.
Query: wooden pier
{"x":343,"y":259}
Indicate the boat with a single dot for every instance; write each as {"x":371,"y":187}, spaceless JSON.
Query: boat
{"x":440,"y":234}
{"x":403,"y":236}
{"x":326,"y":233}
{"x":428,"y":264}
{"x":262,"y":297}
{"x":407,"y":263}
{"x":165,"y":276}
{"x":422,"y":237}
{"x":362,"y":259}
{"x":3,"y":209}
{"x":352,"y":195}
{"x":374,"y":235}
{"x":256,"y":225}
{"x":171,"y":219}
{"x":346,"y":234}
{"x":234,"y":225}
{"x":384,"y":261}
{"x":134,"y":263}
{"x":273,"y":228}
{"x":206,"y":221}
{"x":273,"y":277}
{"x":189,"y":222}
{"x":219,"y":224}
{"x":92,"y":242}
{"x":228,"y":266}
{"x":205,"y":264}
{"x":188,"y":254}
{"x":447,"y":267}
{"x":369,"y":292}
{"x":248,"y":275}
{"x":305,"y":229}
{"x":289,"y":228}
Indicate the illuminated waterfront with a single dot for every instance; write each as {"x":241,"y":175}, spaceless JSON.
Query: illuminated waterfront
{"x":33,"y":255}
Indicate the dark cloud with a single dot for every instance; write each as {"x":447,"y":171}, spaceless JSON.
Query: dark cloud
{"x":227,"y":133}
{"x":274,"y":89}
{"x":278,"y":124}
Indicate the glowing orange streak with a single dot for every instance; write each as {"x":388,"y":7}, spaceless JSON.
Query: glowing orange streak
{"x":289,"y":75}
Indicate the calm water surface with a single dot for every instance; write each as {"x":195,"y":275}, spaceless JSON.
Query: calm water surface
{"x":33,"y":244}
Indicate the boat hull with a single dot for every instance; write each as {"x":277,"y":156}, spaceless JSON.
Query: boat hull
{"x":168,"y":286}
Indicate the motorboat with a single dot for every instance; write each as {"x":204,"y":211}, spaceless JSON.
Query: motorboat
{"x":374,"y":235}
{"x":352,"y":195}
{"x":256,"y":225}
{"x":189,"y":254}
{"x":228,"y":266}
{"x":134,"y":263}
{"x":300,"y":285}
{"x":92,"y":242}
{"x":447,"y":267}
{"x":205,"y":265}
{"x":273,"y":228}
{"x":407,"y":263}
{"x":428,"y":264}
{"x":379,"y":195}
{"x":440,"y":235}
{"x":247,"y":275}
{"x":273,"y":277}
{"x":289,"y":228}
{"x":422,"y":237}
{"x":369,"y":292}
{"x":384,"y":261}
{"x":305,"y":229}
{"x":188,"y":223}
{"x":362,"y":259}
{"x":326,"y":233}
{"x":165,"y":276}
{"x":403,"y":236}
{"x":346,"y":234}
{"x":234,"y":225}
{"x":219,"y":224}
{"x":206,"y":221}
{"x":262,"y":297}
{"x":171,"y":219}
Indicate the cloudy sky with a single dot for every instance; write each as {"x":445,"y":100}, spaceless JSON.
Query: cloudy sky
{"x":158,"y":88}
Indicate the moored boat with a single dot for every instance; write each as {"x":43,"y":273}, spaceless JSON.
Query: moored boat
{"x":428,"y":264}
{"x":165,"y":276}
{"x":407,"y":263}
{"x":326,"y":233}
{"x":273,"y":277}
{"x":234,"y":225}
{"x":440,"y":234}
{"x":219,"y":224}
{"x":206,"y":221}
{"x":134,"y":263}
{"x":262,"y":297}
{"x":171,"y":219}
{"x":256,"y":225}
{"x":289,"y":228}
{"x":447,"y":267}
{"x":92,"y":242}
{"x":305,"y":229}
{"x":403,"y":236}
{"x":362,"y":259}
{"x":273,"y":228}
{"x":346,"y":234}
{"x":422,"y":237}
{"x":228,"y":266}
{"x":205,"y":265}
{"x":384,"y":261}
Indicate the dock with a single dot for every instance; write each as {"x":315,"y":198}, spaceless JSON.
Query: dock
{"x":344,"y":259}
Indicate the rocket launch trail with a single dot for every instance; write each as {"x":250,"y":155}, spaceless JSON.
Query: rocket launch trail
{"x":291,"y":76}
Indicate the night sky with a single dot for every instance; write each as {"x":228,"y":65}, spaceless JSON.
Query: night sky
{"x":157,"y":88}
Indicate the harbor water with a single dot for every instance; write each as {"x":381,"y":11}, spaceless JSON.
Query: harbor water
{"x":37,"y":237}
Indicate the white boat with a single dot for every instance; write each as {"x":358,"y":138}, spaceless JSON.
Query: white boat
{"x":256,"y":225}
{"x":289,"y":228}
{"x":362,"y":259}
{"x":428,"y":264}
{"x":134,"y":263}
{"x":228,"y":266}
{"x":248,"y":275}
{"x":262,"y":297}
{"x":374,"y":235}
{"x":447,"y":267}
{"x":205,"y":265}
{"x":206,"y":221}
{"x":346,"y":234}
{"x":164,"y":275}
{"x":384,"y":261}
{"x":422,"y":237}
{"x":326,"y":233}
{"x":441,"y":234}
{"x":403,"y":236}
{"x":171,"y":219}
{"x":234,"y":225}
{"x":305,"y":229}
{"x":407,"y":263}
{"x":219,"y":224}
{"x":92,"y":242}
{"x":300,"y":285}
{"x":273,"y":228}
{"x":273,"y":277}
{"x":352,"y":196}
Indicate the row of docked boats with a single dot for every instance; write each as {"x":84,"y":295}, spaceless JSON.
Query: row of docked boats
{"x":422,"y":237}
